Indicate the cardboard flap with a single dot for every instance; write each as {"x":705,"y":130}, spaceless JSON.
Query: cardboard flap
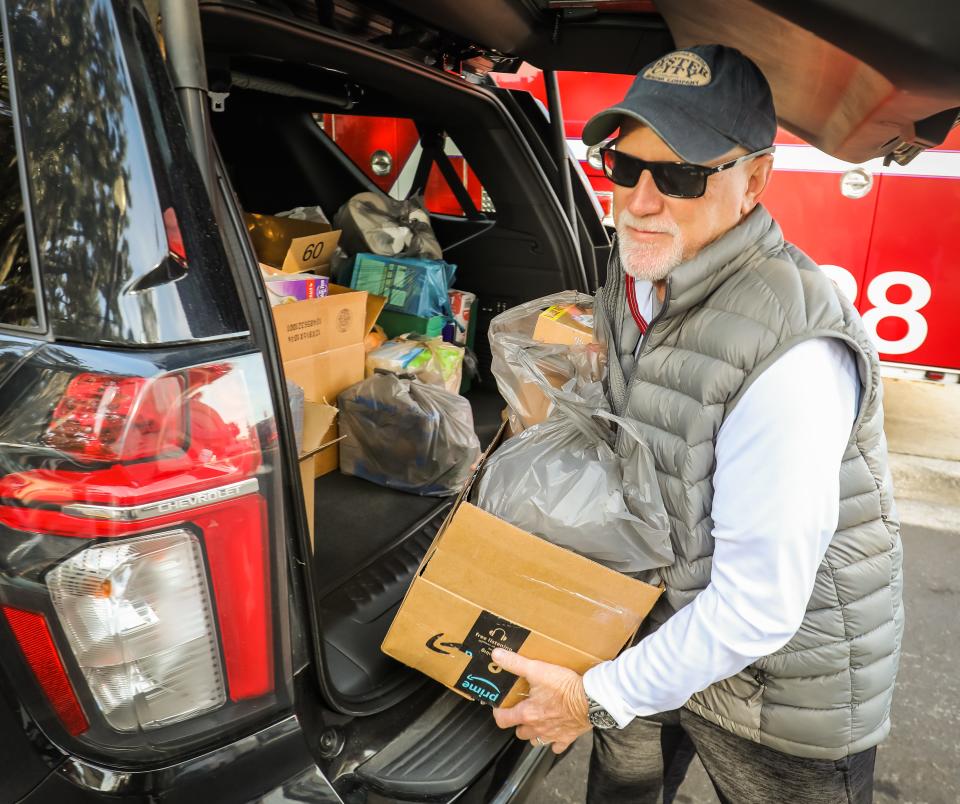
{"x":310,"y":252}
{"x":375,"y":304}
{"x":528,"y":580}
{"x":317,"y":420}
{"x":272,"y":239}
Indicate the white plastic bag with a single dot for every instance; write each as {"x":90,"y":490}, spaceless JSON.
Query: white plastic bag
{"x":314,"y":214}
{"x":563,"y":481}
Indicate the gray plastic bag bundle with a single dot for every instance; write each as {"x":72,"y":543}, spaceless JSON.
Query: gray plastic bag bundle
{"x":406,"y":435}
{"x":563,"y":481}
{"x":378,"y":224}
{"x":563,"y":366}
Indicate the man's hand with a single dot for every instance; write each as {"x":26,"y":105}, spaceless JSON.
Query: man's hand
{"x":556,"y":709}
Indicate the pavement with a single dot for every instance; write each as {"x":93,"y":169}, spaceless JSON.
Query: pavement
{"x":919,"y":763}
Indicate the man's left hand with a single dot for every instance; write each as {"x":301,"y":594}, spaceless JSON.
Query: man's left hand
{"x":555,"y":711}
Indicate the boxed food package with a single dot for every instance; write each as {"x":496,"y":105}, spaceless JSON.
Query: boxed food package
{"x":486,"y":584}
{"x":462,"y":303}
{"x":292,"y":245}
{"x":570,"y":324}
{"x":411,"y":285}
{"x":283,"y":288}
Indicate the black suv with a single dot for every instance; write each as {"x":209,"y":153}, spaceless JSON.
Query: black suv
{"x":167,"y":632}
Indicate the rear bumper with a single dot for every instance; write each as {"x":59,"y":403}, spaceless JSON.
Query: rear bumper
{"x":272,"y":763}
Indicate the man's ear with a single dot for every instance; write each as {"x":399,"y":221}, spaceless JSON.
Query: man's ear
{"x":758,"y":176}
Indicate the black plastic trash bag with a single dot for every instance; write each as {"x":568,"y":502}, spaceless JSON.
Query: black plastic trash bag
{"x":404,"y":434}
{"x":378,"y":224}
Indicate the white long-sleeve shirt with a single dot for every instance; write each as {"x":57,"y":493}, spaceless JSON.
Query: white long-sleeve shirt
{"x":775,"y":508}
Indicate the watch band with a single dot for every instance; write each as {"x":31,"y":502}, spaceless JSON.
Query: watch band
{"x":599,"y":717}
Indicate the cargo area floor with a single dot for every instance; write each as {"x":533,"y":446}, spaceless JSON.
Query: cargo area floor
{"x":369,"y":541}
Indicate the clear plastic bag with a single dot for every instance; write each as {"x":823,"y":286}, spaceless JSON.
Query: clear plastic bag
{"x":404,"y":434}
{"x":314,"y":214}
{"x":431,"y":360}
{"x":379,"y":224}
{"x":563,"y":481}
{"x":561,"y":365}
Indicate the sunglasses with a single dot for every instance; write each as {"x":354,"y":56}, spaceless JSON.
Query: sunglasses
{"x":675,"y":179}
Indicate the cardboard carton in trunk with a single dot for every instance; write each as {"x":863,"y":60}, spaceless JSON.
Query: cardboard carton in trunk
{"x":321,"y":345}
{"x":292,"y":245}
{"x":568,"y":324}
{"x":485,"y":584}
{"x":308,"y":327}
{"x":319,"y":434}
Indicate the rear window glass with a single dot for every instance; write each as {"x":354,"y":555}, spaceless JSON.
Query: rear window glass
{"x":18,"y":296}
{"x":388,"y":150}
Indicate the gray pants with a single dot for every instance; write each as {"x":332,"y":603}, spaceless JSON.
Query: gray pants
{"x":646,"y":762}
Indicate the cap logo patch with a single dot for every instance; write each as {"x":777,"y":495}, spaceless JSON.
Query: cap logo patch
{"x":680,"y":67}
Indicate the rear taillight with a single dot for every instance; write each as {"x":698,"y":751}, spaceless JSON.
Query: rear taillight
{"x":160,"y":587}
{"x":139,"y":619}
{"x":106,"y":418}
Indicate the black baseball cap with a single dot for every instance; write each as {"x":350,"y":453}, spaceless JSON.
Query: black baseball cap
{"x":702,"y":102}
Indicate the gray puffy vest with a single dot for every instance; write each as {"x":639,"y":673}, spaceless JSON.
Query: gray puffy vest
{"x":729,"y":313}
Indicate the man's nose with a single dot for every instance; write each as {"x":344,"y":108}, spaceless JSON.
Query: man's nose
{"x":644,"y":197}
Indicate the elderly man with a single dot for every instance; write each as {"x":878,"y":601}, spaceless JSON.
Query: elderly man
{"x":773,"y":651}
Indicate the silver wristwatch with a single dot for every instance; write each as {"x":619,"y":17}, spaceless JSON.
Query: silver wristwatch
{"x":599,"y":717}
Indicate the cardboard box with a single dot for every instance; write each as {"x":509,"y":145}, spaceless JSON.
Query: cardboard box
{"x":567,"y":324}
{"x":485,"y":584}
{"x":323,"y":376}
{"x":318,"y":425}
{"x":535,"y":401}
{"x":321,"y":346}
{"x":309,"y":327}
{"x":292,"y":245}
{"x":306,"y":484}
{"x":397,"y":324}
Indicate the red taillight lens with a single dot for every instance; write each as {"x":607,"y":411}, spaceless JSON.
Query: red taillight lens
{"x":33,"y":634}
{"x":236,"y":541}
{"x":104,"y":418}
{"x":170,"y":477}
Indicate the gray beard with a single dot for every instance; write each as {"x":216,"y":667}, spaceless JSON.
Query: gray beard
{"x":643,"y":262}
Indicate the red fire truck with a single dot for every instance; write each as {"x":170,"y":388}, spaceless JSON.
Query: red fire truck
{"x":887,"y":235}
